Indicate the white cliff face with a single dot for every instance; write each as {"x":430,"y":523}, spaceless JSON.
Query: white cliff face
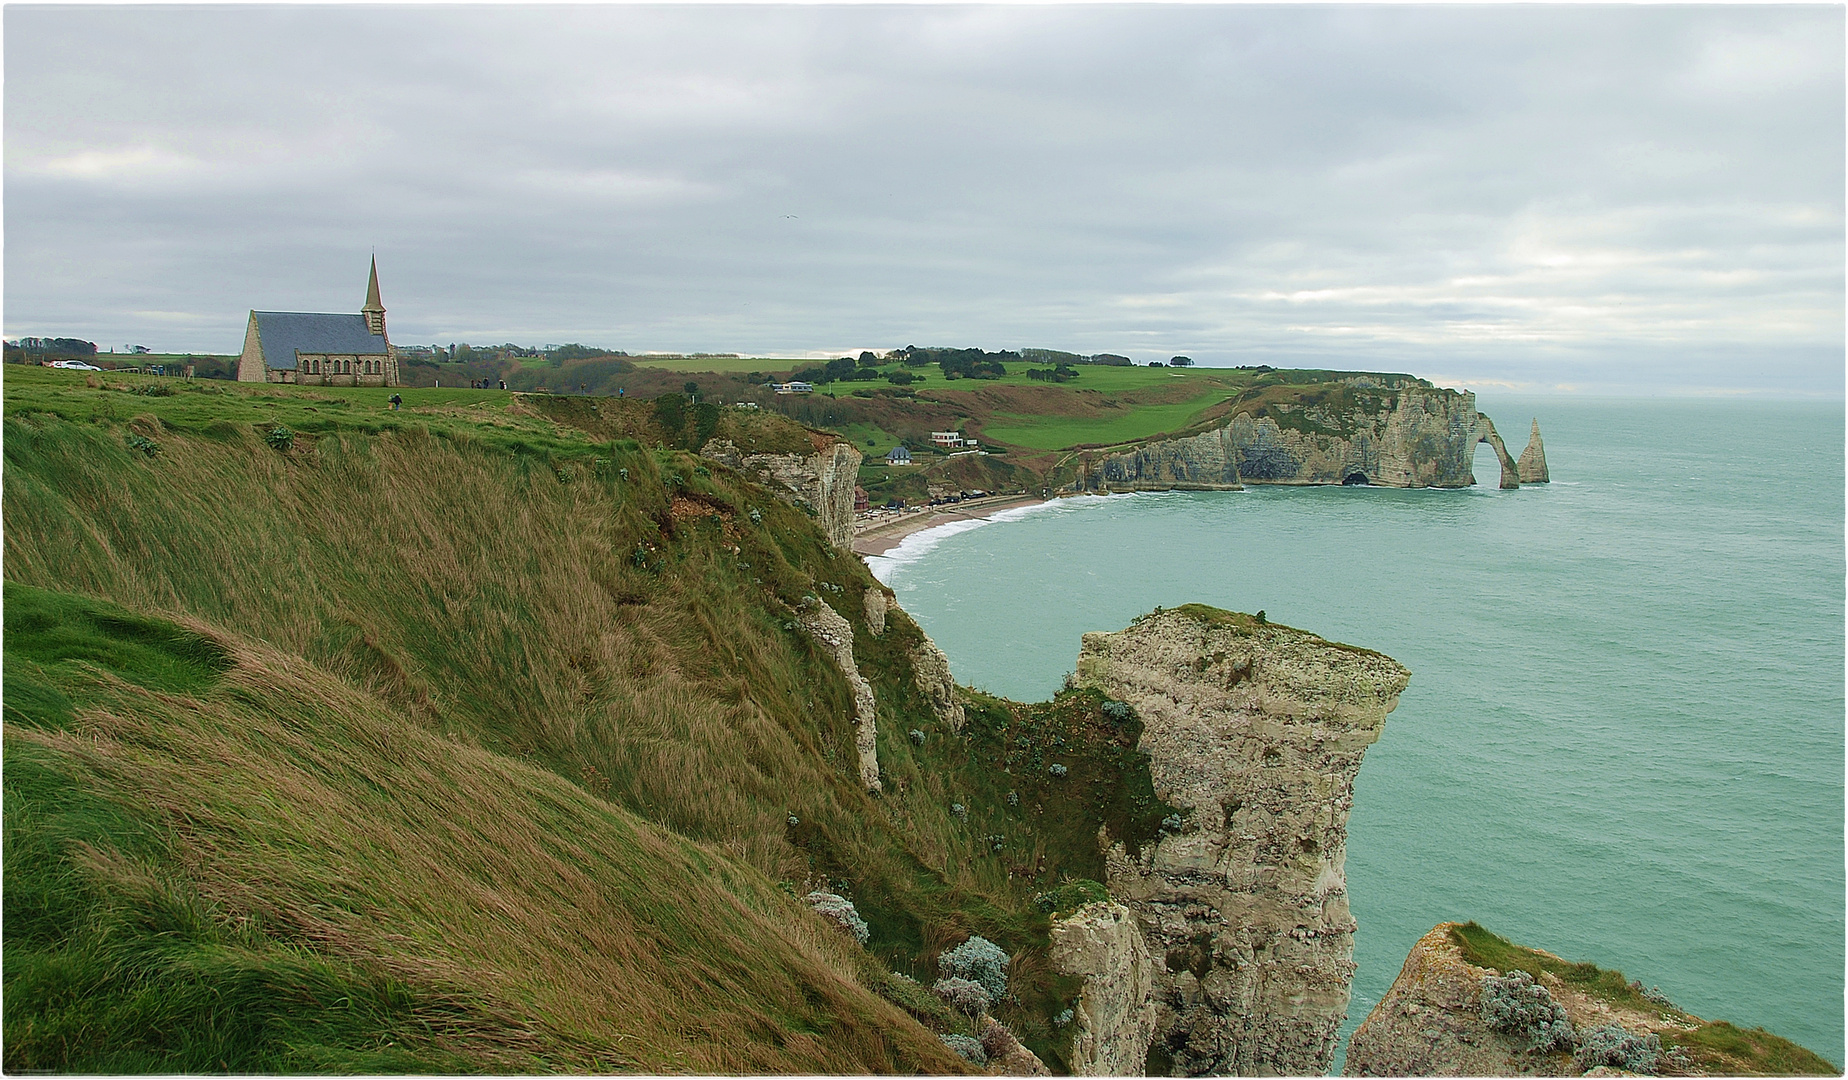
{"x":1102,"y":944}
{"x":835,"y":633}
{"x":822,"y":482}
{"x":876,"y":603}
{"x":1411,"y":436}
{"x":1257,"y":731}
{"x":932,"y":670}
{"x":1532,"y":465}
{"x":1510,"y":472}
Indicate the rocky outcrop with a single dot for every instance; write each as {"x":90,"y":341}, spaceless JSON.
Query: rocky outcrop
{"x":1430,"y":1022}
{"x":1532,"y":466}
{"x":1006,"y":1055}
{"x":821,"y":482}
{"x":1256,"y":732}
{"x":1510,"y":472}
{"x":876,"y":603}
{"x":1448,"y":1014}
{"x":835,"y":634}
{"x":1114,"y":1018}
{"x":1206,"y":462}
{"x":1408,"y":435}
{"x":932,"y":671}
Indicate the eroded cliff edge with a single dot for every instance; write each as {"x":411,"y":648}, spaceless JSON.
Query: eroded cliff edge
{"x":1256,"y":732}
{"x":1470,"y":1003}
{"x":1404,"y":433}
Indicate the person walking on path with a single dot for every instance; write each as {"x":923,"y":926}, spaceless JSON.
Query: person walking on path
{"x":396,"y":400}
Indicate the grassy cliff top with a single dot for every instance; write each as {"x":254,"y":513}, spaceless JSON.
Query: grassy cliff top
{"x":483,"y":736}
{"x":1714,"y":1048}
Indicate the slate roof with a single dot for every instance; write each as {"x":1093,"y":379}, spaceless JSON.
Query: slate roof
{"x":286,"y":333}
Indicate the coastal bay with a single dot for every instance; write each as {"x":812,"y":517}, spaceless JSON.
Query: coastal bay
{"x":1623,"y":728}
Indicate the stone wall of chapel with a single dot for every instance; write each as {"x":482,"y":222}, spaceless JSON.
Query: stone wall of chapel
{"x":356,"y":375}
{"x":250,"y":366}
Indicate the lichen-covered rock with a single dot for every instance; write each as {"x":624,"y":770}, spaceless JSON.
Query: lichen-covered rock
{"x":1102,"y":944}
{"x":822,"y":482}
{"x":876,"y":603}
{"x":835,"y":634}
{"x":1006,"y":1056}
{"x":1532,"y":466}
{"x":1430,"y":1023}
{"x":931,"y":669}
{"x":1258,"y":731}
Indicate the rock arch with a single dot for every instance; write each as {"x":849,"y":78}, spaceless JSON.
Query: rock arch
{"x":1486,"y":433}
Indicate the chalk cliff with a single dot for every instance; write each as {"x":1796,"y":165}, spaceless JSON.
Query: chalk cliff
{"x":821,"y":482}
{"x":1410,"y":435}
{"x":835,"y":634}
{"x":1114,"y":1019}
{"x":1532,"y":465}
{"x":1256,"y":731}
{"x":1432,"y":1021}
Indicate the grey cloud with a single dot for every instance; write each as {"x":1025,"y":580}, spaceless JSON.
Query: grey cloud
{"x":1643,"y":197}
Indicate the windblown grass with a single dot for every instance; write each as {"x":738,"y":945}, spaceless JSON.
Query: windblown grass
{"x":279,"y":873}
{"x":595,"y":636}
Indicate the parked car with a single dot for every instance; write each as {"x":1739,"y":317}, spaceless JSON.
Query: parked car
{"x":74,"y":365}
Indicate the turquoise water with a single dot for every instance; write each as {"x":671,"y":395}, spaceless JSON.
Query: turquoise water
{"x":1623,"y":738}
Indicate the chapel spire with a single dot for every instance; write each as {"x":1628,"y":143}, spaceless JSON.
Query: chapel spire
{"x":374,"y":311}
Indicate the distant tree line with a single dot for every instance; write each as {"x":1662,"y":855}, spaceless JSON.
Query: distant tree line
{"x":54,"y":346}
{"x":1059,"y":374}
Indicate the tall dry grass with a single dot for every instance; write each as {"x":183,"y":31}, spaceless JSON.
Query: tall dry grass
{"x":584,"y":938}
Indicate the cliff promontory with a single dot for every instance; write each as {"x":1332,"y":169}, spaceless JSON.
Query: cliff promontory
{"x":1358,"y":431}
{"x":1255,"y":731}
{"x":820,"y":482}
{"x":1470,"y":1003}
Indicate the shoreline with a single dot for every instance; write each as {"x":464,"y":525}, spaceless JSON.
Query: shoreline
{"x":881,"y":536}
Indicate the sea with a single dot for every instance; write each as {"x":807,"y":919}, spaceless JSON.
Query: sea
{"x":1623,"y":738}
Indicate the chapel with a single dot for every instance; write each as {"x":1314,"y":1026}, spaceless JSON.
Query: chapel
{"x":317,"y":349}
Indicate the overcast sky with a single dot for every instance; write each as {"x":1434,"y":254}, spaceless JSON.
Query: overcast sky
{"x":1642,"y":198}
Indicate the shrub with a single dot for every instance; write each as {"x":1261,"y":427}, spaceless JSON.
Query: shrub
{"x":979,"y":960}
{"x":970,"y":998}
{"x":142,"y":443}
{"x":917,"y":736}
{"x":1516,"y":1005}
{"x":280,"y":437}
{"x":1118,"y":711}
{"x":840,"y":911}
{"x":1057,"y":770}
{"x":966,"y":1048}
{"x":1071,"y":896}
{"x":1609,"y":1044}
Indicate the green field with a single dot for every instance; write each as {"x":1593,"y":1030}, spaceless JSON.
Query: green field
{"x":1060,"y":432}
{"x":733,"y":365}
